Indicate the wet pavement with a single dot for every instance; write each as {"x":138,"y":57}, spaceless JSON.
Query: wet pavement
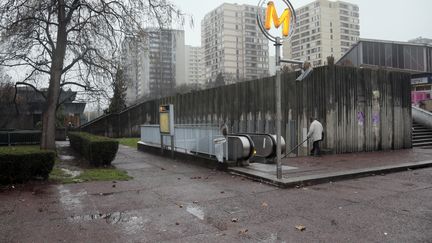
{"x":170,"y":201}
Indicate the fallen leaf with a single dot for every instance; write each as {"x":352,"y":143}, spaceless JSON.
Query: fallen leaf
{"x":264,"y":205}
{"x":300,"y":227}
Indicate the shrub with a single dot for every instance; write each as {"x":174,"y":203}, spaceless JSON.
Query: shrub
{"x":99,"y":151}
{"x":21,"y":164}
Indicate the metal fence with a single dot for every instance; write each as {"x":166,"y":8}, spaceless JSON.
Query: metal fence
{"x":191,"y":139}
{"x":22,"y":137}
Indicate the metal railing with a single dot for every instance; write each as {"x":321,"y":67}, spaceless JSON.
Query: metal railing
{"x":295,"y":148}
{"x":422,"y":116}
{"x":20,"y":137}
{"x":191,"y":139}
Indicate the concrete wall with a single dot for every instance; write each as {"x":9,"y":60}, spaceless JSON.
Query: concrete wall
{"x":361,"y":109}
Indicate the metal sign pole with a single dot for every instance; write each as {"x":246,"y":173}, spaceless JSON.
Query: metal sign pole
{"x":278,"y":45}
{"x":288,"y":18}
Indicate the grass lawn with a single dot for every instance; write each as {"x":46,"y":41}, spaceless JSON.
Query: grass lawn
{"x":20,"y":149}
{"x":130,"y":142}
{"x":66,"y":176}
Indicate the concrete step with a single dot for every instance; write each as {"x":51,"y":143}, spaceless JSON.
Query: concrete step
{"x":422,"y":140}
{"x":422,"y":136}
{"x":422,"y":144}
{"x":422,"y":133}
{"x":422,"y":129}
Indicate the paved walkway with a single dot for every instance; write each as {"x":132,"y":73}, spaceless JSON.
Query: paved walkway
{"x":170,"y":201}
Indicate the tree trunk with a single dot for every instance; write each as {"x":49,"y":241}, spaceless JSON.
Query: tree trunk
{"x":49,"y":116}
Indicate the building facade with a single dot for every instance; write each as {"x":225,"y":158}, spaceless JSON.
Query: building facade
{"x":416,"y":58}
{"x":324,"y":28}
{"x":404,"y":56}
{"x":233,"y":44}
{"x":153,"y":63}
{"x":421,"y":40}
{"x":194,"y":66}
{"x":25,"y":111}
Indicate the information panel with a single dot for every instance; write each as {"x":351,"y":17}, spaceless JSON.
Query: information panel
{"x":166,"y":119}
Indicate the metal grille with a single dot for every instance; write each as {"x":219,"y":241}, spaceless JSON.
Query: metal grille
{"x":195,"y":139}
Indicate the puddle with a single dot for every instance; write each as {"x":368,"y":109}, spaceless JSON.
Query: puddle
{"x":131,"y":224}
{"x":196,"y":211}
{"x":70,"y":200}
{"x":233,"y":210}
{"x":66,"y":157}
{"x":272,"y":238}
{"x":72,"y":173}
{"x":111,"y":218}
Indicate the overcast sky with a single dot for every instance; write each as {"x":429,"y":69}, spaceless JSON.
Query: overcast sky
{"x":379,"y":19}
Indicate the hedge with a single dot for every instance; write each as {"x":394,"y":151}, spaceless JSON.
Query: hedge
{"x":99,"y":151}
{"x":23,"y":163}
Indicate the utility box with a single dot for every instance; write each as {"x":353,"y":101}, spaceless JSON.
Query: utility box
{"x":166,"y":120}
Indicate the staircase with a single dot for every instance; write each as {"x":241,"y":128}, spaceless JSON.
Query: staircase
{"x":422,"y":136}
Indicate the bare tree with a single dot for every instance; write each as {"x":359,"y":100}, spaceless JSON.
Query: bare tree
{"x":59,"y":40}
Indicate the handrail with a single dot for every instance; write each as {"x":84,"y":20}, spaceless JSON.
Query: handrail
{"x":421,"y":110}
{"x":422,"y":117}
{"x":286,"y":155}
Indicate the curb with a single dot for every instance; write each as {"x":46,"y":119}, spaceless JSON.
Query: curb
{"x":302,"y":181}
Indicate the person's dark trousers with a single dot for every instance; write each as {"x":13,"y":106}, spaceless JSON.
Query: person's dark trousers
{"x":316,"y":151}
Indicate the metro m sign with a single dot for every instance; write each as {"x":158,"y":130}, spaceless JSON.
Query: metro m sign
{"x":287,"y":19}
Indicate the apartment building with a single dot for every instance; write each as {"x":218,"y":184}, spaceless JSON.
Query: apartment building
{"x":153,"y":63}
{"x":324,"y":28}
{"x":194,"y":66}
{"x":233,"y":44}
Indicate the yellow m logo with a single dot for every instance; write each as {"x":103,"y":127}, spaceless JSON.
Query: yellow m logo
{"x":285,"y":19}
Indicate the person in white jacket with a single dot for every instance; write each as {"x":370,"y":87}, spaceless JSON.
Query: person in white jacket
{"x":316,"y":136}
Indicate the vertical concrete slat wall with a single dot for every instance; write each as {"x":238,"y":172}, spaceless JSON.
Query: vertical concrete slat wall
{"x":361,"y":109}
